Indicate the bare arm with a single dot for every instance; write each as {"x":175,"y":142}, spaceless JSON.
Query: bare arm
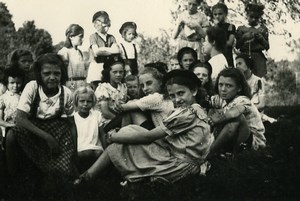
{"x":2,"y":122}
{"x":178,"y":29}
{"x":230,"y":40}
{"x":230,"y":114}
{"x":107,"y":114}
{"x":105,"y":51}
{"x":136,"y":137}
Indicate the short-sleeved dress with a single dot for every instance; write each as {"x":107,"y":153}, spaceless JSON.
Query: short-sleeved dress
{"x":49,"y":114}
{"x":76,"y":69}
{"x":87,"y":131}
{"x":251,"y":114}
{"x":96,"y":62}
{"x":189,"y":37}
{"x":8,"y":103}
{"x":106,"y":92}
{"x":159,"y":107}
{"x":253,"y":46}
{"x":177,"y":155}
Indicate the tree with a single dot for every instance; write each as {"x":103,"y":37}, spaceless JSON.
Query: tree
{"x":7,"y":33}
{"x":39,"y":41}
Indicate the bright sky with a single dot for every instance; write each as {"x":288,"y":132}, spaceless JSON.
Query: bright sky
{"x":150,"y":16}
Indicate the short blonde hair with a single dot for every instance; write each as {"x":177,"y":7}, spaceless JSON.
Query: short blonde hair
{"x":84,"y":90}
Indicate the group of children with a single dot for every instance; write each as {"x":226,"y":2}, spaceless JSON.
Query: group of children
{"x":147,"y":122}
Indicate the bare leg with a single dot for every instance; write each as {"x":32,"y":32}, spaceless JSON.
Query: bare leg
{"x":138,"y":118}
{"x":101,"y":163}
{"x":236,"y":131}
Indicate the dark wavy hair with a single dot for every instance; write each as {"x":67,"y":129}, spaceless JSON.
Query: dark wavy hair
{"x":72,"y":30}
{"x":221,"y":6}
{"x":49,"y":58}
{"x":186,"y":50}
{"x":238,"y":78}
{"x":13,"y":72}
{"x":15,"y":55}
{"x":114,"y":59}
{"x":217,"y":36}
{"x":249,"y":61}
{"x":209,"y":85}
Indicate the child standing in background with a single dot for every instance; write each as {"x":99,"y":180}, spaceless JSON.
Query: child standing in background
{"x":73,"y":57}
{"x":129,"y":50}
{"x":190,"y":28}
{"x":220,"y":12}
{"x":102,"y":45}
{"x":252,"y":39}
{"x":87,"y":122}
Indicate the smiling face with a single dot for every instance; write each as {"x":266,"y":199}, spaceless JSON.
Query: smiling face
{"x":84,"y":104}
{"x":228,"y":89}
{"x":149,"y":84}
{"x":102,"y":24}
{"x":181,"y":95}
{"x":116,"y":73}
{"x":14,"y":84}
{"x":51,"y":76}
{"x":202,"y":74}
{"x":186,"y":60}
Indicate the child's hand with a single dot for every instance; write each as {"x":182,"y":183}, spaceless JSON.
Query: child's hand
{"x":258,"y":36}
{"x":53,"y":145}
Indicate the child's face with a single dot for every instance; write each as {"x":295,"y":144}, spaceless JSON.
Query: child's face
{"x":149,"y":84}
{"x":25,"y":62}
{"x":241,"y":65}
{"x":219,"y":15}
{"x":102,"y":25}
{"x":192,"y":6}
{"x":181,"y":95}
{"x":116,"y":73}
{"x":202,"y":74}
{"x":133,"y":88}
{"x":77,"y":40}
{"x":14,"y":84}
{"x":84,"y":104}
{"x":228,"y":89}
{"x":207,"y":46}
{"x":129,"y":35}
{"x":127,"y":70}
{"x":253,"y":18}
{"x":174,"y":64}
{"x":51,"y":75}
{"x":186,"y":60}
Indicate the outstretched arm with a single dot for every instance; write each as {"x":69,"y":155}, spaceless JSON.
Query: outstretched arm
{"x":137,"y":137}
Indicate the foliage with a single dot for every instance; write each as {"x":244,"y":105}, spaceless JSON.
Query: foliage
{"x":37,"y":40}
{"x":7,"y":33}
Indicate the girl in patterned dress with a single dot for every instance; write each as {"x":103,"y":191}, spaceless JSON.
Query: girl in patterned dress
{"x":13,"y":81}
{"x":235,"y":118}
{"x":169,"y":152}
{"x":73,"y":57}
{"x":45,"y":128}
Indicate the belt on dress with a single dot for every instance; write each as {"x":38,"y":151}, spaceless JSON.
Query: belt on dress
{"x":76,"y":78}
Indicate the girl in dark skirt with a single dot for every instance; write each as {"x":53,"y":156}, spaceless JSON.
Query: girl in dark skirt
{"x":45,"y":129}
